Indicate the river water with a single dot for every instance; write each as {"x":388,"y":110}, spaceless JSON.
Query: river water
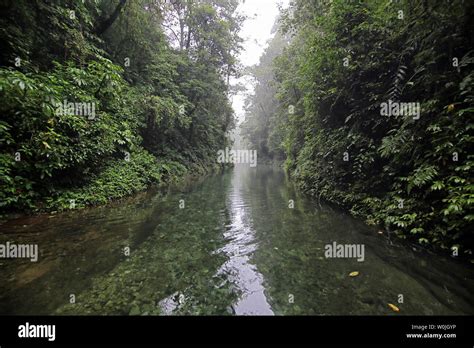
{"x":243,"y":242}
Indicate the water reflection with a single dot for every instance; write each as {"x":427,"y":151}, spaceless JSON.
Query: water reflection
{"x":236,"y":248}
{"x":298,"y":279}
{"x":240,"y":237}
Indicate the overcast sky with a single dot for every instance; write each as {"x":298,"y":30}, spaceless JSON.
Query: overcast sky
{"x":256,"y":31}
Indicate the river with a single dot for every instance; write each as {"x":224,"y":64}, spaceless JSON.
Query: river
{"x":242,"y":242}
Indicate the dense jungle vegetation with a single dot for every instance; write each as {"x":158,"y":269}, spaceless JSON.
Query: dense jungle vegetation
{"x":155,"y":72}
{"x":151,"y":80}
{"x":317,"y":102}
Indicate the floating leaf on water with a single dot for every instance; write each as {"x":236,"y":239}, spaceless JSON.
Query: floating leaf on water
{"x":353,"y":274}
{"x":393,"y":307}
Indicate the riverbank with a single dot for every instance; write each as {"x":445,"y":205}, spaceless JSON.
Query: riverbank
{"x":384,"y":212}
{"x":117,"y":180}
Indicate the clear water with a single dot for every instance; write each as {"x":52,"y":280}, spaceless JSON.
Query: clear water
{"x":235,"y":248}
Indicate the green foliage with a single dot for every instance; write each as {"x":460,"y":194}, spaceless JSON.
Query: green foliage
{"x":55,"y":146}
{"x":160,"y":112}
{"x":116,"y":180}
{"x":346,"y":58}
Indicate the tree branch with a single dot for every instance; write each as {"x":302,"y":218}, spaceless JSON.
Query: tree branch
{"x":106,"y":23}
